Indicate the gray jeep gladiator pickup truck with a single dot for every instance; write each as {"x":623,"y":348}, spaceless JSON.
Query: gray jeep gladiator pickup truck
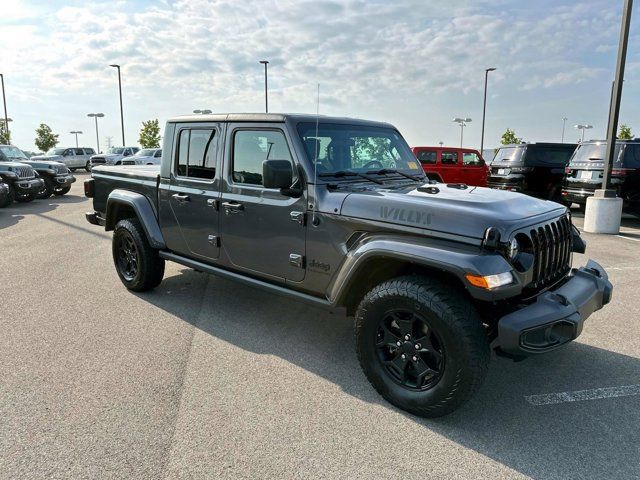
{"x":337,"y":212}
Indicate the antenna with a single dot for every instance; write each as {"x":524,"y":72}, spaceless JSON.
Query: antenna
{"x":314,"y":220}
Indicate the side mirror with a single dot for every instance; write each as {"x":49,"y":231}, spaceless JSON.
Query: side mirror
{"x":277,"y":174}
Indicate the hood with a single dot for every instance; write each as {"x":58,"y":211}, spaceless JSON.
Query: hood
{"x":467,"y":212}
{"x":44,"y":163}
{"x":46,"y":158}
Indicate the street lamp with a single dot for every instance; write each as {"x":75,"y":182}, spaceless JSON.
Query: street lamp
{"x":205,"y":111}
{"x":96,"y":116}
{"x":484,"y":106}
{"x":463,"y":123}
{"x":120,"y":90}
{"x":4,"y":101}
{"x":564,"y":120}
{"x":266,"y":99}
{"x":583,"y":128}
{"x":76,"y":133}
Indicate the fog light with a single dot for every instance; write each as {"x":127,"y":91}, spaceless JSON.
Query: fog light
{"x":489,"y":282}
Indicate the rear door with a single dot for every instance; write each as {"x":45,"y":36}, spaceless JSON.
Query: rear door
{"x":473,"y":170}
{"x":450,"y":166}
{"x":80,"y":159}
{"x":263,"y":231}
{"x":194,"y":191}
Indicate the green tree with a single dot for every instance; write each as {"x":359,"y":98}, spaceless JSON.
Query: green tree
{"x":509,"y":137}
{"x":150,"y":134}
{"x":625,"y":133}
{"x":45,"y":138}
{"x":5,"y":135}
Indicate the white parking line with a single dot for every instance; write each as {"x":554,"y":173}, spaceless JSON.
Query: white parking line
{"x":580,"y":395}
{"x":629,"y":238}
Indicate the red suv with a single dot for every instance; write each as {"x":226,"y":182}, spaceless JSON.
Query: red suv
{"x":454,"y":165}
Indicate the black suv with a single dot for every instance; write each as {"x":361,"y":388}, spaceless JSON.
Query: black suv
{"x":584,"y":173}
{"x":536,"y":169}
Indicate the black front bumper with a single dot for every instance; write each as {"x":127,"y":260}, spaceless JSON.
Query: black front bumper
{"x":26,"y":187}
{"x":557,"y":316}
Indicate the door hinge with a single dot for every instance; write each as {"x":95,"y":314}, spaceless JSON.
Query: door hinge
{"x":214,"y":240}
{"x":297,"y":217}
{"x":296,"y":260}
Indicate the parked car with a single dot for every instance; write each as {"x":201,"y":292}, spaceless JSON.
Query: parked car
{"x":73,"y":158}
{"x":453,"y":165}
{"x":301,"y":207}
{"x":146,"y":156}
{"x":113,"y":156}
{"x":536,"y":169}
{"x":5,"y":201}
{"x":56,"y":176}
{"x":585,"y":168}
{"x":23,"y":181}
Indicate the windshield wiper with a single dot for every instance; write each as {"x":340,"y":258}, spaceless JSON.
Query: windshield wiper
{"x":384,"y":171}
{"x":349,"y":173}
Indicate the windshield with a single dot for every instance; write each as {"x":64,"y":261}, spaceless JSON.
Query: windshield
{"x":116,"y":150}
{"x":145,"y":152}
{"x":356,"y":148}
{"x":13,"y":152}
{"x":509,"y":154}
{"x":594,"y":152}
{"x":56,"y":151}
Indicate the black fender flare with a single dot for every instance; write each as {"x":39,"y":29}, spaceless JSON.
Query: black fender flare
{"x":144,"y":212}
{"x":453,"y":259}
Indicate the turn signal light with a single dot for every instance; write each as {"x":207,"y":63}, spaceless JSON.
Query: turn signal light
{"x":489,"y":282}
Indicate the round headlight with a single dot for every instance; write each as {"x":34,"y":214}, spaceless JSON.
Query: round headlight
{"x":513,"y":249}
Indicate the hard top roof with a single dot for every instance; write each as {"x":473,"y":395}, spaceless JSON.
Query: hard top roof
{"x":273,"y":117}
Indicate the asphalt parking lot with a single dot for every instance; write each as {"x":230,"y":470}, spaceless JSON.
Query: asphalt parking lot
{"x":205,"y":378}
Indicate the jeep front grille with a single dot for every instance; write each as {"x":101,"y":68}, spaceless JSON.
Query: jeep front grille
{"x":552,"y":251}
{"x":24,"y":172}
{"x":98,"y":160}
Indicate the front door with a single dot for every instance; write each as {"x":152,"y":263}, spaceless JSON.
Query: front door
{"x":449,"y":166}
{"x":193,"y":191}
{"x":473,"y":170}
{"x":263,"y":231}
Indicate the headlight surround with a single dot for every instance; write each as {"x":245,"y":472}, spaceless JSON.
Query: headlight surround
{"x":513,"y":249}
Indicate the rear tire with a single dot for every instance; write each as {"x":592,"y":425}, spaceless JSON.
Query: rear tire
{"x":445,"y":348}
{"x":139,"y":266}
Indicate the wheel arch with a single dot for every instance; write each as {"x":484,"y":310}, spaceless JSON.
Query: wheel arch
{"x":125,"y":204}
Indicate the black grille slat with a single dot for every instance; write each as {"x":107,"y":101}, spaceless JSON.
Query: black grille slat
{"x":551,"y":245}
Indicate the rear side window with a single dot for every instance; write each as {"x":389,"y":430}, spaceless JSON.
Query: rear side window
{"x":631,"y":157}
{"x":548,"y":156}
{"x":427,"y":157}
{"x":196,"y":154}
{"x":471,"y":159}
{"x":251,"y":148}
{"x":89,"y":151}
{"x":158,"y":154}
{"x":449,"y":158}
{"x":79,"y":151}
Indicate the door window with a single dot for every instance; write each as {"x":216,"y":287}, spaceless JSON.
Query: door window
{"x":251,"y":148}
{"x":79,"y":151}
{"x":158,"y":154}
{"x":426,"y":157}
{"x":196,"y":154}
{"x":471,"y":159}
{"x":449,"y":158}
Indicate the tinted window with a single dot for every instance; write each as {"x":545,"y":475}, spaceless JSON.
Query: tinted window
{"x":251,"y":148}
{"x":470,"y":158}
{"x":89,"y":151}
{"x":548,"y":156}
{"x":158,"y":154}
{"x":427,"y":157}
{"x":79,"y":151}
{"x":594,"y":152}
{"x":197,"y":154}
{"x":509,"y":154}
{"x":632,"y":156}
{"x":449,"y":158}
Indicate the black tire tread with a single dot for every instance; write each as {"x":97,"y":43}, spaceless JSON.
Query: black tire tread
{"x":457,"y":310}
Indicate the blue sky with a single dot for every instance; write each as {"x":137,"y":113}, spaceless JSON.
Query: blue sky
{"x":414,"y":63}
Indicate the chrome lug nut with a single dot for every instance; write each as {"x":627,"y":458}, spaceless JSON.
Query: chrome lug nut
{"x":414,"y":358}
{"x":403,"y":356}
{"x":418,"y":346}
{"x":398,"y":343}
{"x":407,"y":337}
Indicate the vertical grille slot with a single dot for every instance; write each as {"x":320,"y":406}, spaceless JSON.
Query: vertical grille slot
{"x":551,"y":245}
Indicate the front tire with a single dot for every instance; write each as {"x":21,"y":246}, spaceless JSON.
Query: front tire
{"x":422,"y":345}
{"x":87,"y":166}
{"x":62,"y":190}
{"x":47,"y":189}
{"x":139,"y":266}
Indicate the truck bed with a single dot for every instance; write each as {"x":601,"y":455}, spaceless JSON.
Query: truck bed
{"x":137,"y":178}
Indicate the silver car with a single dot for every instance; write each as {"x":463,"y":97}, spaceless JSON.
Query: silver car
{"x":73,"y":158}
{"x":114,"y":156}
{"x":146,"y":156}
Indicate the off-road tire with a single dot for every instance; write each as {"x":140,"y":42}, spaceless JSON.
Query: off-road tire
{"x":47,"y":190}
{"x":150,"y":267}
{"x":29,"y":197}
{"x":87,"y":166}
{"x":451,"y":315}
{"x":7,"y":201}
{"x":62,"y":191}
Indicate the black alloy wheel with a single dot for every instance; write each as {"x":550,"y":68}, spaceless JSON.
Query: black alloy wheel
{"x":127,"y":256}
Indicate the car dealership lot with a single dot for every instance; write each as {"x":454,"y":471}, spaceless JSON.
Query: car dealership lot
{"x":208,"y":378}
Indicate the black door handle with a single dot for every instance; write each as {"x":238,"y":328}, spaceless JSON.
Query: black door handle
{"x":232,"y":207}
{"x":181,"y":198}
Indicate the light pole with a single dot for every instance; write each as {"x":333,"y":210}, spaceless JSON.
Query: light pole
{"x":266,"y":98}
{"x":583,"y":128}
{"x":120,"y":90}
{"x":463,"y":123}
{"x":96,"y":116}
{"x":205,"y":111}
{"x":484,"y":106}
{"x":76,"y":133}
{"x":564,"y":121}
{"x":4,"y":101}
